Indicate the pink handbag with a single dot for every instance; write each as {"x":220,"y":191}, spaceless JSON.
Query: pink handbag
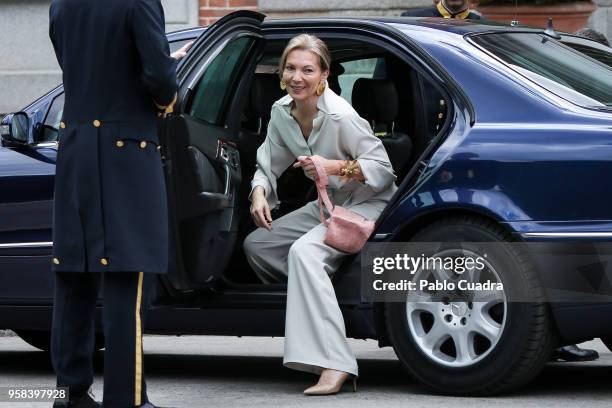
{"x":347,"y":231}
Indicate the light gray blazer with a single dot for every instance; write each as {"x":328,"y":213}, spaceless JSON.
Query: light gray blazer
{"x":338,"y":133}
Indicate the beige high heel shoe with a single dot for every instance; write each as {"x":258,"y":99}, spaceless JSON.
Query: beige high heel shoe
{"x":332,"y":387}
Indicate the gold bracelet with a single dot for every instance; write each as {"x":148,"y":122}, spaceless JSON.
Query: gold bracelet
{"x":349,"y":169}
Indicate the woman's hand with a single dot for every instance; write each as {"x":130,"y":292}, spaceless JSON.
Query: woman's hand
{"x":181,"y":52}
{"x":260,"y":209}
{"x":331,"y":167}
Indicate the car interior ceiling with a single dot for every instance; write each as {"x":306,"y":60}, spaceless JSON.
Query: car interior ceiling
{"x":404,"y":109}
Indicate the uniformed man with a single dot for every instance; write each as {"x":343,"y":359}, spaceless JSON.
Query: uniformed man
{"x":459,"y":9}
{"x":110,"y":231}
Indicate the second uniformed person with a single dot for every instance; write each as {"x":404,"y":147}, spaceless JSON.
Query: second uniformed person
{"x":110,"y":231}
{"x":459,"y":9}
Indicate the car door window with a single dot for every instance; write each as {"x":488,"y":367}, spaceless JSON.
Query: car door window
{"x":353,"y":70}
{"x":53,"y":119}
{"x":175,"y":45}
{"x":215,"y":87}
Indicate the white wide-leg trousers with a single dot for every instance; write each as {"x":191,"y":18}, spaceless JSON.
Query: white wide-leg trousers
{"x":315,"y":335}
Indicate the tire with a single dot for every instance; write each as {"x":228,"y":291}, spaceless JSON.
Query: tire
{"x":524,"y":338}
{"x":42,"y":339}
{"x":607,"y":341}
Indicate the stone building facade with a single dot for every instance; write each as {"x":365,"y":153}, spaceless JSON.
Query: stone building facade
{"x":28,"y":67}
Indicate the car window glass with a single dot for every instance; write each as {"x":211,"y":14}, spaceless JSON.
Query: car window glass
{"x":216,"y":85}
{"x":53,"y":119}
{"x":353,"y":70}
{"x":600,"y":55}
{"x":175,"y":45}
{"x":554,"y":66}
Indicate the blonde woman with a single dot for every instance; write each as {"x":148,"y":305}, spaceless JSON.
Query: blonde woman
{"x":312,"y":120}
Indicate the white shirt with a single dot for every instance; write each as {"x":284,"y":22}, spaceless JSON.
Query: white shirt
{"x":338,"y":133}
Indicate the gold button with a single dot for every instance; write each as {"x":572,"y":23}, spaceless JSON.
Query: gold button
{"x":62,"y":125}
{"x":103,"y":261}
{"x":120,"y":143}
{"x":440,"y":115}
{"x":97,"y":123}
{"x":56,"y":261}
{"x":143,"y":144}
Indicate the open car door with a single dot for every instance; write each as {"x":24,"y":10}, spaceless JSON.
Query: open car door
{"x":201,"y":161}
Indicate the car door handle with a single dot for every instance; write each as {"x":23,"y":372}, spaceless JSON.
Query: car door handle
{"x":228,"y":179}
{"x":214,"y":201}
{"x":219,"y":201}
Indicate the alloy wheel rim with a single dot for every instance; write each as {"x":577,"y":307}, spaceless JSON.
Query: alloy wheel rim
{"x":457,"y":328}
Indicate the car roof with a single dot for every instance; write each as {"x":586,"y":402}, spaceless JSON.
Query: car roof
{"x":440,"y":25}
{"x":451,"y":26}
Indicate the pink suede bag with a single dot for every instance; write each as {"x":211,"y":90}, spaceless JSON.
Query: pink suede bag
{"x":347,"y":231}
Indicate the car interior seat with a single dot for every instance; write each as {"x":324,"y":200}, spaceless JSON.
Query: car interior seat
{"x":265,"y":90}
{"x":376,"y":100}
{"x":293,"y":186}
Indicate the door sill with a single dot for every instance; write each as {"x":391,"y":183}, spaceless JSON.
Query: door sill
{"x":227,"y":285}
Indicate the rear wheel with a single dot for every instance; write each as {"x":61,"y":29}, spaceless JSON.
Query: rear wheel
{"x":42,"y":339}
{"x":474,"y":342}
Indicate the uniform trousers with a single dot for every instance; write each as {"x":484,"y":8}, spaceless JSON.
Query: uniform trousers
{"x":294,"y":251}
{"x":126,"y":297}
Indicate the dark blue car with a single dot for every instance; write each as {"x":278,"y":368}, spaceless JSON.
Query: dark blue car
{"x":497,"y":134}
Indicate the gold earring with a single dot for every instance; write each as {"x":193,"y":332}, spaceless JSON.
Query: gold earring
{"x":320,"y":88}
{"x":283,"y":85}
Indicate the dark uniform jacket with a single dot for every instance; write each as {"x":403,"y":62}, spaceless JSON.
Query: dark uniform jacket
{"x":440,"y":11}
{"x":110,"y":211}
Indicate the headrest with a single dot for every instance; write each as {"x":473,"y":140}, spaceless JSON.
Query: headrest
{"x":335,"y":70}
{"x":376,"y":99}
{"x":264,"y":92}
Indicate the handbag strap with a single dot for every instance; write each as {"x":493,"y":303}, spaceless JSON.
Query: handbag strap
{"x":321,"y":182}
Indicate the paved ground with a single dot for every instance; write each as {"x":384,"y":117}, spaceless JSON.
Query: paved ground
{"x":194,"y":371}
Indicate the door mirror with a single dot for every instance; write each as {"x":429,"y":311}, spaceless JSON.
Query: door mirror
{"x":15,"y":128}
